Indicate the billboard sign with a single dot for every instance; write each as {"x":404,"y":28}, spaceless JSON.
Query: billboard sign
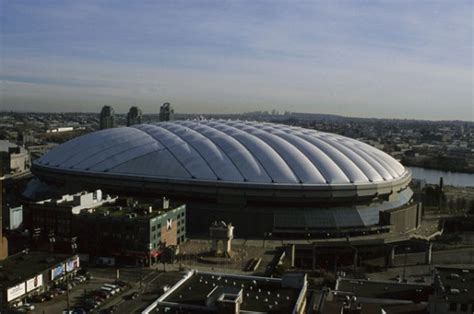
{"x":16,"y":291}
{"x":57,"y":271}
{"x":72,"y":264}
{"x":34,"y":283}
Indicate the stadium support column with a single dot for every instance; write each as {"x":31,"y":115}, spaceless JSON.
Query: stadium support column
{"x":356,"y":258}
{"x":390,"y":256}
{"x":428,"y":253}
{"x":292,"y":255}
{"x":214,"y":246}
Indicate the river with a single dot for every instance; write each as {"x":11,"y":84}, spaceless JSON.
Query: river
{"x":449,"y":178}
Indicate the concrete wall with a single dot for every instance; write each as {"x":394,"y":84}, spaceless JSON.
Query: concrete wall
{"x":403,"y":219}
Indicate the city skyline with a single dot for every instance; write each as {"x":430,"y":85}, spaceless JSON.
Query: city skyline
{"x":383,"y":60}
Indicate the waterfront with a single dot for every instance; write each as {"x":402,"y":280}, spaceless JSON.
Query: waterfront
{"x":449,"y":178}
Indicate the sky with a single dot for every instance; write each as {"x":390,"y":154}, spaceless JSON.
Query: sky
{"x":386,"y":59}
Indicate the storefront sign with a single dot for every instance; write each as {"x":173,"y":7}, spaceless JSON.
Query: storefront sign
{"x":72,"y":264}
{"x":16,"y":291}
{"x":34,"y":283}
{"x":57,"y":271}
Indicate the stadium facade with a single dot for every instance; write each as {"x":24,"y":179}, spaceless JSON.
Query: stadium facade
{"x":263,"y":177}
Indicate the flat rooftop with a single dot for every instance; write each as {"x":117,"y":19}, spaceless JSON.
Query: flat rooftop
{"x":21,"y":266}
{"x":385,"y":290}
{"x":458,"y":283}
{"x":259,"y":294}
{"x":141,"y":211}
{"x":334,"y":307}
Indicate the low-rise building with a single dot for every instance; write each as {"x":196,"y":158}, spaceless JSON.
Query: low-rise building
{"x":136,"y":234}
{"x":453,"y":291}
{"x":367,"y":297}
{"x":14,"y":159}
{"x":207,"y":292}
{"x":107,"y":228}
{"x":53,"y":217}
{"x":27,"y":274}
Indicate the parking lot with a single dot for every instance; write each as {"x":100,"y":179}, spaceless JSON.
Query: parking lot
{"x":78,"y":293}
{"x":102,"y":293}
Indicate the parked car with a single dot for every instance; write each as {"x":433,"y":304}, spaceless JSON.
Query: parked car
{"x":39,"y":298}
{"x":59,"y":291}
{"x":29,"y":306}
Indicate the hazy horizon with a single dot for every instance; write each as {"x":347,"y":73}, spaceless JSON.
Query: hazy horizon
{"x":395,"y":60}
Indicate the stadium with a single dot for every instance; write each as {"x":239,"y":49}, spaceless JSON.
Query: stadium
{"x":265,"y":178}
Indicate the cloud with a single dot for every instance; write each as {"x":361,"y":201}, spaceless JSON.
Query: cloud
{"x":387,"y":60}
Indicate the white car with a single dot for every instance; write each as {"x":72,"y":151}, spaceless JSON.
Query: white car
{"x":29,"y":306}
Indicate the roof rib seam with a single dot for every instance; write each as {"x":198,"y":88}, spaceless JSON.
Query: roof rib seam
{"x":248,"y":150}
{"x":75,"y":154}
{"x":134,"y":158}
{"x":220,"y":148}
{"x":121,"y":152}
{"x":332,"y":159}
{"x":166,"y":147}
{"x":351,"y":159}
{"x":321,"y":173}
{"x":198,"y":152}
{"x":289,"y":167}
{"x":103,"y":150}
{"x":367,"y":158}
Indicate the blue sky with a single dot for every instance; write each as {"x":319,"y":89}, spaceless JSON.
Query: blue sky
{"x":395,"y":59}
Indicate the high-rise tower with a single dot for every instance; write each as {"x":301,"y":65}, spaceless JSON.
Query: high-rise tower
{"x":166,"y":112}
{"x":134,"y":116}
{"x":107,"y":118}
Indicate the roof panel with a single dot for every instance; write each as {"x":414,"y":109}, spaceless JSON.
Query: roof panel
{"x":160,"y":163}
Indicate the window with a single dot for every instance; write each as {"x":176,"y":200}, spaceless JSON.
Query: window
{"x":153,"y":228}
{"x":453,"y":307}
{"x":463,"y":307}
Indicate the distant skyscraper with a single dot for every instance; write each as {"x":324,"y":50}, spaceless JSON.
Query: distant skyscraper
{"x":107,"y":118}
{"x":134,"y":116}
{"x":166,"y":112}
